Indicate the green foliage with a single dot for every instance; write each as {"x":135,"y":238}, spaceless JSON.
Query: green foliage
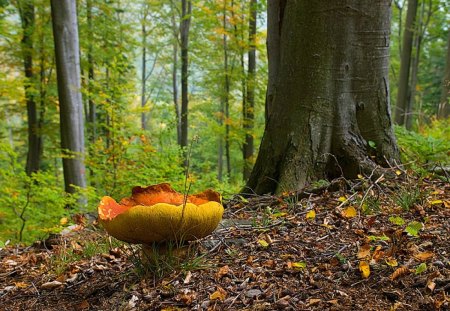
{"x":397,"y":220}
{"x":30,"y":206}
{"x":413,"y":228}
{"x":431,"y":146}
{"x":406,"y":197}
{"x":421,"y":268}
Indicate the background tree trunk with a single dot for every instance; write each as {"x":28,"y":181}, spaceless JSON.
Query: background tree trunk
{"x":184,"y":36}
{"x":401,"y":105}
{"x":65,"y":33}
{"x":27,"y":17}
{"x":332,"y":95}
{"x":249,"y":103}
{"x":444,"y":105}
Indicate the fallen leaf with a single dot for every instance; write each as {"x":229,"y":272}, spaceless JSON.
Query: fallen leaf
{"x":436,"y":202}
{"x":342,"y":199}
{"x":219,"y":294}
{"x":51,"y":285}
{"x":222,"y":272}
{"x":421,"y":268}
{"x":311,"y":214}
{"x":63,"y":221}
{"x":82,"y":305}
{"x":364,"y":251}
{"x":299,"y":265}
{"x":21,"y":285}
{"x":378,"y":253}
{"x":424,"y":256}
{"x":398,"y":172}
{"x":390,"y":261}
{"x":364,"y":268}
{"x":313,"y":301}
{"x":349,"y":212}
{"x":188,"y":277}
{"x":399,"y":273}
{"x":263,"y":243}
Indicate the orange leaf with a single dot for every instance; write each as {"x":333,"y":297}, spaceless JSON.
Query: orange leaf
{"x":222,"y":272}
{"x":399,"y":273}
{"x":219,"y":294}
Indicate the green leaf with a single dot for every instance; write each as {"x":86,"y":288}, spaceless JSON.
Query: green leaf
{"x":371,"y":144}
{"x":397,"y":220}
{"x":421,"y":268}
{"x":413,"y":228}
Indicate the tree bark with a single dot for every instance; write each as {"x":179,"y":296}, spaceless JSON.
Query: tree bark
{"x":405,"y":64}
{"x":444,"y":104}
{"x":144,"y":72}
{"x":332,"y":95}
{"x":27,"y":17}
{"x":249,"y":103}
{"x":92,"y":117}
{"x":65,"y":33}
{"x":175,"y":30}
{"x":184,"y":36}
{"x":275,"y":14}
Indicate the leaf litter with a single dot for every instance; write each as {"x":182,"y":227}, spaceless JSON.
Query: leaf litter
{"x":347,"y":246}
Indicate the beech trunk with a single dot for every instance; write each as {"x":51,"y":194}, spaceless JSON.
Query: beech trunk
{"x":330,"y":114}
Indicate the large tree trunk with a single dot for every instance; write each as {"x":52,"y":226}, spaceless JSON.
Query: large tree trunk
{"x":27,"y":17}
{"x":401,"y":106}
{"x":275,"y":13}
{"x":92,"y":116}
{"x":65,"y":33}
{"x":332,"y":95}
{"x":444,"y":104}
{"x":184,"y":36}
{"x":249,"y":103}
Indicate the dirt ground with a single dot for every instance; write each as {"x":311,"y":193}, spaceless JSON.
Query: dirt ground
{"x":354,"y":245}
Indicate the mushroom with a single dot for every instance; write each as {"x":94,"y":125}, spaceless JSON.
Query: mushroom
{"x":158,"y":213}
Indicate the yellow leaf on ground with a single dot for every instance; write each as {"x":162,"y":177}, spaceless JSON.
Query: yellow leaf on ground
{"x":398,"y":172}
{"x":349,"y":212}
{"x":436,"y":202}
{"x":424,"y":256}
{"x":63,"y":221}
{"x":390,"y":261}
{"x":364,"y":268}
{"x":219,"y":294}
{"x":311,"y":214}
{"x":342,"y":199}
{"x":364,"y":251}
{"x":299,"y":265}
{"x":263,"y":243}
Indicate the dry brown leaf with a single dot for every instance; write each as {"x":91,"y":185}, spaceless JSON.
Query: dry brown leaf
{"x":364,"y":251}
{"x":51,"y":285}
{"x":399,"y":273}
{"x":424,"y":256}
{"x":222,"y":272}
{"x":378,"y":254}
{"x":313,"y":301}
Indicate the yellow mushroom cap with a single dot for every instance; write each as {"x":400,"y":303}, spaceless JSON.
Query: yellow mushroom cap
{"x":133,"y":222}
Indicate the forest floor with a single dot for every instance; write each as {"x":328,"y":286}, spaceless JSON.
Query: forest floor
{"x":363,"y":245}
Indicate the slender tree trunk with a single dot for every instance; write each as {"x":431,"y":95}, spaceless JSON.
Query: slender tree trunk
{"x":65,"y":33}
{"x":332,"y":96}
{"x":444,"y":104}
{"x":175,"y":30}
{"x":405,"y":64}
{"x":249,"y":107}
{"x":27,"y":16}
{"x":186,"y":7}
{"x":144,"y":73}
{"x":92,"y":116}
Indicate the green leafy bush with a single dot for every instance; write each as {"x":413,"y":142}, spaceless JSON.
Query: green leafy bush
{"x":429,"y":146}
{"x":30,"y":206}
